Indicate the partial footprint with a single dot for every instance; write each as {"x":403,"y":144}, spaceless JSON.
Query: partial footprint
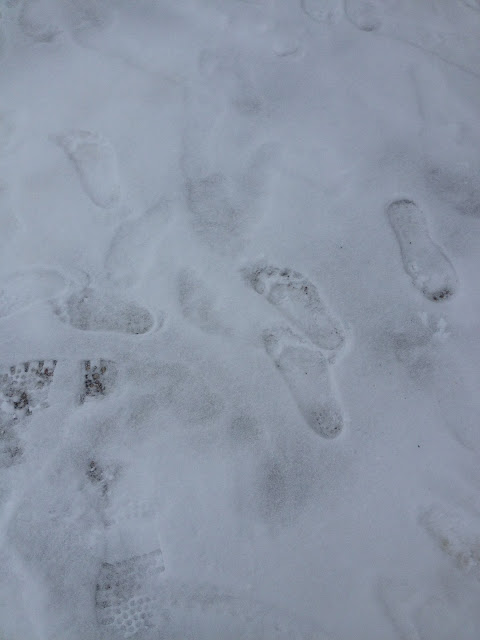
{"x":24,"y":389}
{"x":428,"y":267}
{"x":39,"y":20}
{"x":418,"y":341}
{"x":134,"y":245}
{"x":457,"y":533}
{"x":98,"y":378}
{"x":307,"y":374}
{"x":473,"y":4}
{"x":323,"y":11}
{"x":93,"y":310}
{"x":297,"y":298}
{"x":208,"y":612}
{"x":458,"y":186}
{"x":224,"y":207}
{"x":198,"y":303}
{"x":131,"y":573}
{"x":433,"y":28}
{"x":417,"y":615}
{"x":24,"y":288}
{"x":179,"y":389}
{"x":95,"y":162}
{"x":367,"y":15}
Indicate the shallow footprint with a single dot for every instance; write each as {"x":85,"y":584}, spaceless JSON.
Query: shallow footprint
{"x":95,"y":162}
{"x":323,"y":11}
{"x":38,"y":20}
{"x":366,"y":15}
{"x":297,"y":298}
{"x":306,"y":372}
{"x":133,"y":246}
{"x":24,"y":288}
{"x":428,"y":267}
{"x":457,"y":533}
{"x":207,"y":612}
{"x":92,"y":310}
{"x":198,"y":303}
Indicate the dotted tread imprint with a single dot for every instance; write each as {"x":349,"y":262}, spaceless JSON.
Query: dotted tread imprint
{"x":98,"y":378}
{"x":122,"y":600}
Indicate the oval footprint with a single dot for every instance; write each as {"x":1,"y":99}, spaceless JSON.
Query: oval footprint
{"x":23,"y":288}
{"x":93,"y":310}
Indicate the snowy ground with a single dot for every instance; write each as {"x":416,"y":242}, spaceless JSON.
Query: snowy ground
{"x":239,"y":319}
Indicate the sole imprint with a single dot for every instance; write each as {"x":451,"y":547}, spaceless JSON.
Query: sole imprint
{"x":206,"y":612}
{"x":306,"y":372}
{"x":95,"y":162}
{"x":429,"y":268}
{"x":92,"y":310}
{"x":298,"y":300}
{"x":24,"y":389}
{"x":98,"y":378}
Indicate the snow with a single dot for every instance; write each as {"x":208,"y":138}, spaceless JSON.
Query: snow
{"x":239,"y":319}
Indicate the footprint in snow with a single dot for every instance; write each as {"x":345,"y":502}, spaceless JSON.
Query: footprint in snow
{"x":95,"y":162}
{"x":93,"y":310}
{"x":134,"y":245}
{"x":307,"y":374}
{"x":429,"y":268}
{"x":24,"y":389}
{"x":322,"y":11}
{"x":299,"y":301}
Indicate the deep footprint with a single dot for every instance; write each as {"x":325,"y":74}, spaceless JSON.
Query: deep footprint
{"x":98,"y":378}
{"x":298,"y":300}
{"x":95,"y":162}
{"x":91,"y":310}
{"x":306,"y":372}
{"x":429,"y":268}
{"x":24,"y":389}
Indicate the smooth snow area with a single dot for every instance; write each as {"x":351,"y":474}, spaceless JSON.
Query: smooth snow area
{"x":239,"y":319}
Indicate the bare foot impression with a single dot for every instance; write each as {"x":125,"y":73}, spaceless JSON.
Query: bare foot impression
{"x":306,"y":372}
{"x":322,"y":11}
{"x":457,"y":533}
{"x":299,"y":301}
{"x":95,"y":162}
{"x":92,"y":310}
{"x":429,"y":268}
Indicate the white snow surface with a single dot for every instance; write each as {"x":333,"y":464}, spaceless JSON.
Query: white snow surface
{"x":239,"y":319}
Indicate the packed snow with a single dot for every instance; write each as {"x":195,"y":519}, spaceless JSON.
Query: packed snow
{"x":239,"y":319}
